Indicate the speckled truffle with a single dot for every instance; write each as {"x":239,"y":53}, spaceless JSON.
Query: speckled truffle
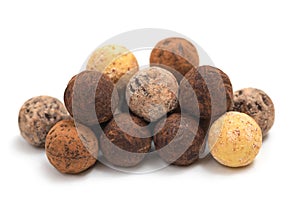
{"x":178,"y":139}
{"x":115,"y":61}
{"x":90,"y":98}
{"x":235,"y":139}
{"x":256,"y":104}
{"x":152,"y":93}
{"x":177,"y":55}
{"x":37,"y":116}
{"x":126,"y":140}
{"x":212,"y":89}
{"x":71,"y":149}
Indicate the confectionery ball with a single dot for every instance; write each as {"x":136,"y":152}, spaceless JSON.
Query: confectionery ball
{"x":178,"y":139}
{"x":126,"y":140}
{"x":113,"y":60}
{"x":37,"y":116}
{"x":152,"y":93}
{"x":177,"y":55}
{"x":235,"y":139}
{"x":90,"y":98}
{"x":71,"y":149}
{"x":212,"y":89}
{"x":258,"y":105}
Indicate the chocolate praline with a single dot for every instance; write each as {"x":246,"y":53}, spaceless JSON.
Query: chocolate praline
{"x":90,"y":98}
{"x":178,"y":139}
{"x":126,"y":140}
{"x":175,"y":54}
{"x":71,"y":149}
{"x":257,"y":104}
{"x":211,"y":88}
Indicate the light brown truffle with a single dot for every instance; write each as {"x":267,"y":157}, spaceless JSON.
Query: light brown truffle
{"x":37,"y":116}
{"x":126,"y":140}
{"x":71,"y":149}
{"x":178,"y":139}
{"x":152,"y":93}
{"x":175,"y":54}
{"x":257,"y":104}
{"x":235,"y":139}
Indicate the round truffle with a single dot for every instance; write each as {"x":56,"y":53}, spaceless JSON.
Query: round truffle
{"x":177,"y":55}
{"x":90,"y":98}
{"x":178,"y":139}
{"x":212,"y":89}
{"x":37,"y":116}
{"x":115,"y":61}
{"x":257,"y":104}
{"x":152,"y":93}
{"x":71,"y":149}
{"x":235,"y":139}
{"x":126,"y":140}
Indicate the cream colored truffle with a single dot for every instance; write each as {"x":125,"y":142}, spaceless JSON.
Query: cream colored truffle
{"x":115,"y":61}
{"x":235,"y":139}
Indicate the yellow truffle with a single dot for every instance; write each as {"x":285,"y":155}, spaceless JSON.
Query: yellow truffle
{"x":235,"y":139}
{"x":113,"y":60}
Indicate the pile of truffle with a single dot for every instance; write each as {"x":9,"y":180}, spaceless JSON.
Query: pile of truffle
{"x":174,"y":107}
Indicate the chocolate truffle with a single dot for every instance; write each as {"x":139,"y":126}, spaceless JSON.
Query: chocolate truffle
{"x":152,"y":93}
{"x":235,"y":139}
{"x":90,"y":98}
{"x":115,"y":61}
{"x":177,"y":55}
{"x":126,"y":140}
{"x":256,"y":104}
{"x":212,"y":89}
{"x":71,"y":149}
{"x":37,"y":116}
{"x":178,"y":139}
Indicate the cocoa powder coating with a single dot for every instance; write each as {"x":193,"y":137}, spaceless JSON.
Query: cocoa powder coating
{"x":177,"y":55}
{"x":212,"y":89}
{"x":125,"y":141}
{"x":178,"y":139}
{"x":71,"y":149}
{"x":90,"y":98}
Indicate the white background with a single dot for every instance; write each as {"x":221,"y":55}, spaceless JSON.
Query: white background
{"x":44,"y":43}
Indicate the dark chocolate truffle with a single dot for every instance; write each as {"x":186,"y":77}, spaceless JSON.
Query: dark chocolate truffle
{"x":211,"y":87}
{"x":177,"y":55}
{"x":178,"y":139}
{"x":71,"y":149}
{"x":90,"y":97}
{"x":126,"y":140}
{"x":37,"y":116}
{"x":257,"y":104}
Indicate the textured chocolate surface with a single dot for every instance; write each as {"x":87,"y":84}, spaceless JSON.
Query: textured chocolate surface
{"x":115,"y":61}
{"x":257,"y":104}
{"x":37,"y":116}
{"x":211,"y":87}
{"x":90,"y":97}
{"x":234,"y":139}
{"x":71,"y":149}
{"x":176,"y":55}
{"x":125,"y":141}
{"x":178,"y":139}
{"x":152,"y":93}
